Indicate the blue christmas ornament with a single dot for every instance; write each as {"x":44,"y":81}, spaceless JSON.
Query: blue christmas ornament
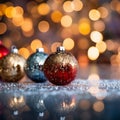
{"x":34,"y":66}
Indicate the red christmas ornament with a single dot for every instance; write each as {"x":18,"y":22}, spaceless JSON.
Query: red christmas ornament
{"x":60,"y":67}
{"x":3,"y":50}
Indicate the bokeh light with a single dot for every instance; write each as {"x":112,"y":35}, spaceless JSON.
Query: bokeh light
{"x":98,"y":106}
{"x":34,"y":12}
{"x":24,"y":52}
{"x":103,"y":11}
{"x":118,"y":8}
{"x":113,"y":4}
{"x":7,"y":42}
{"x":2,"y":9}
{"x":93,"y":53}
{"x":36,"y":43}
{"x":43,"y":26}
{"x":99,"y":26}
{"x":27,"y":25}
{"x":96,"y":36}
{"x":18,"y":21}
{"x":94,"y":14}
{"x":67,"y":6}
{"x":93,"y":77}
{"x":68,"y":43}
{"x":8,"y":11}
{"x":43,"y":9}
{"x":66,"y":21}
{"x":56,"y":16}
{"x":77,"y":5}
{"x":84,"y":26}
{"x":17,"y":11}
{"x":111,"y":45}
{"x":3,"y":28}
{"x":101,"y":46}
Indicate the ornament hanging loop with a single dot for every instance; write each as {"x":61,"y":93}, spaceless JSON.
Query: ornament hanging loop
{"x":14,"y":49}
{"x":39,"y":50}
{"x":60,"y":49}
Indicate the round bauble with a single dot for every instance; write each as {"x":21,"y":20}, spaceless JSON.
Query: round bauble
{"x":12,"y":66}
{"x":60,"y":67}
{"x":34,"y":66}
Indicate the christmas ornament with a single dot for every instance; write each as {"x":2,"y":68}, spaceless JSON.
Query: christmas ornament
{"x":60,"y":67}
{"x":3,"y":50}
{"x":12,"y":66}
{"x":34,"y":66}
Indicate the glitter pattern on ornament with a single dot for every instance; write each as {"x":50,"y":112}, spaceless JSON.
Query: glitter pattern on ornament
{"x":60,"y":67}
{"x":34,"y":66}
{"x":12,"y":66}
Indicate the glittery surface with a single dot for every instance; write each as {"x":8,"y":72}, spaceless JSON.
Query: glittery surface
{"x":34,"y":66}
{"x":44,"y":100}
{"x":12,"y":67}
{"x":60,"y":68}
{"x":85,"y":98}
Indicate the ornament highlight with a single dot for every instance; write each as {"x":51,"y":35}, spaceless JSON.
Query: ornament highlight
{"x":60,"y":67}
{"x":34,"y":66}
{"x":12,"y":66}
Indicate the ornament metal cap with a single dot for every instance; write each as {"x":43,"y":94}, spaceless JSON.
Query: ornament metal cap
{"x":40,"y":50}
{"x":60,"y":49}
{"x":14,"y":49}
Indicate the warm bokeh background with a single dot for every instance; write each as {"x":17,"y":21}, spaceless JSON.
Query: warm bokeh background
{"x":90,"y":29}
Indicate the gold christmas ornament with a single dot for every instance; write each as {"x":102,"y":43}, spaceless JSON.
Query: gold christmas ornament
{"x":12,"y":66}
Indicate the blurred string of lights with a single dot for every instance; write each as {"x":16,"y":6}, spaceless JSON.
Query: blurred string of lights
{"x":84,"y":27}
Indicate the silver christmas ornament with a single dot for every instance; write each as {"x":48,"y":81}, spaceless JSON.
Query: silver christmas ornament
{"x":34,"y":66}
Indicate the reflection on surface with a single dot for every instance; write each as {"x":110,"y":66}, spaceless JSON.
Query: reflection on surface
{"x":62,"y":104}
{"x":36,"y":103}
{"x":94,"y":95}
